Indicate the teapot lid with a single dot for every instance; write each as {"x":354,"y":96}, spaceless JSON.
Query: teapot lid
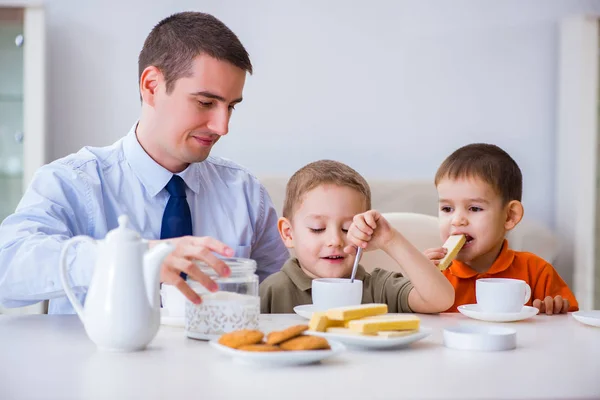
{"x":122,"y":233}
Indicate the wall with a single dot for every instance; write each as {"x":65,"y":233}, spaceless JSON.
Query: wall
{"x":390,"y":87}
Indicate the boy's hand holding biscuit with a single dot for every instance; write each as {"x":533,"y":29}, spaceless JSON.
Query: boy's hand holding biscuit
{"x":369,"y":230}
{"x":436,"y":254}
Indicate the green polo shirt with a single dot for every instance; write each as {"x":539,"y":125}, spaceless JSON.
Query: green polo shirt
{"x":291,"y":287}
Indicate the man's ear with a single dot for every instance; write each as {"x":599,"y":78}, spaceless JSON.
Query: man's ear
{"x":514,"y":214}
{"x":149,"y":81}
{"x":285,"y":231}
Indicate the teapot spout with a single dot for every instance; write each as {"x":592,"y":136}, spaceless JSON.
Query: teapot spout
{"x":153,"y":260}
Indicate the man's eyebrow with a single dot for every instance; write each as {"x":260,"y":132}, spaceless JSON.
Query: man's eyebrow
{"x":215,"y":96}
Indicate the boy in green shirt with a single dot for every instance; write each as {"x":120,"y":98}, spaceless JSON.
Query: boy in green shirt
{"x":326,"y":215}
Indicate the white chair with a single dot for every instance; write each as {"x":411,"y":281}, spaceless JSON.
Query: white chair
{"x":420,"y":229}
{"x":423,"y":232}
{"x":536,"y":238}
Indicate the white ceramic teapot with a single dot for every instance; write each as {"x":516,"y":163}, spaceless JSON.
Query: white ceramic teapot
{"x":122,"y":306}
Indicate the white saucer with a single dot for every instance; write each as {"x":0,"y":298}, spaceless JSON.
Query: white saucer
{"x":279,"y":358}
{"x":480,"y":338}
{"x":374,"y":342}
{"x":475,"y":312}
{"x":306,"y":310}
{"x":165,"y":319}
{"x":588,"y":317}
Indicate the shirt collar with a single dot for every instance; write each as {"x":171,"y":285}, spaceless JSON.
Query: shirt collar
{"x":153,"y":176}
{"x":191,"y":177}
{"x":304,"y":282}
{"x":503,"y":261}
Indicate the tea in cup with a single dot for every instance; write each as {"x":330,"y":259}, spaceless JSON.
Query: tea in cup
{"x":502,"y":295}
{"x":336,"y":292}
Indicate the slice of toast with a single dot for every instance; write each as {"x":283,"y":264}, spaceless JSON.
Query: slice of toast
{"x":454,"y":243}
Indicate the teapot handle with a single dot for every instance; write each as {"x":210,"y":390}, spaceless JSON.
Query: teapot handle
{"x":64,"y":276}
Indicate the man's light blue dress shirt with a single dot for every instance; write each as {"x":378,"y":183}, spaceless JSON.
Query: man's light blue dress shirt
{"x":85,"y":193}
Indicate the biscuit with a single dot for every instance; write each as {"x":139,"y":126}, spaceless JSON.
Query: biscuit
{"x":454,"y":243}
{"x":305,"y":342}
{"x":259,"y":347}
{"x":286,"y":334}
{"x":240,"y":338}
{"x":320,"y":323}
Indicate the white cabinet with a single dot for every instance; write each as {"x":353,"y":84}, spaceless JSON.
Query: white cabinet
{"x":22,"y":104}
{"x":11,"y":108}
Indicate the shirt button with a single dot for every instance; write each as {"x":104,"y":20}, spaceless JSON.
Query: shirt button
{"x":50,"y":284}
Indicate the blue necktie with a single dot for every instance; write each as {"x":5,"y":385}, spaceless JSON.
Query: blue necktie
{"x":177,"y":219}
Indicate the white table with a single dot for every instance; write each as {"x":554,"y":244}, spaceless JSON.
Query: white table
{"x":50,"y":357}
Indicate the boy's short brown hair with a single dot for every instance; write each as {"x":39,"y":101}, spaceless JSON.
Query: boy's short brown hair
{"x":175,"y":41}
{"x":320,"y":173}
{"x":487,"y":162}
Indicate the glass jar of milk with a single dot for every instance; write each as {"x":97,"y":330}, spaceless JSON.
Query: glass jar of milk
{"x":236,"y":305}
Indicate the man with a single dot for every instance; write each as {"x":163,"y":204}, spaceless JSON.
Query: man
{"x":192,"y":70}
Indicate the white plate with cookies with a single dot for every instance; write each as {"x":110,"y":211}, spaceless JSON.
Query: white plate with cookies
{"x":280,"y":358}
{"x":290,"y":346}
{"x":381,"y":340}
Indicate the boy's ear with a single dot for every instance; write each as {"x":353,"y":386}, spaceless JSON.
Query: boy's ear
{"x":285,"y":231}
{"x":514,"y":214}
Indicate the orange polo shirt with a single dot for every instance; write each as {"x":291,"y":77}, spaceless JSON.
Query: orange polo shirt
{"x":540,"y":275}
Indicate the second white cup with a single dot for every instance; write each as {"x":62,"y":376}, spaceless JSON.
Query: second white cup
{"x":502,"y":295}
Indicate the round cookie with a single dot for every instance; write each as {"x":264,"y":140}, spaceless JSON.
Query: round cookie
{"x":306,"y":342}
{"x":259,"y":347}
{"x":286,"y":334}
{"x":242,"y":337}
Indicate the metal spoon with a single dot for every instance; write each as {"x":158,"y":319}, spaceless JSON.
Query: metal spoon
{"x":356,"y":260}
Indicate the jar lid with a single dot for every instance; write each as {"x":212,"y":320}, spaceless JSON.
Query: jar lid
{"x":238,"y":266}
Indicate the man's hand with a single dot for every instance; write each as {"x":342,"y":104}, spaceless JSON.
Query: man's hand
{"x":550,"y":305}
{"x":187,"y":250}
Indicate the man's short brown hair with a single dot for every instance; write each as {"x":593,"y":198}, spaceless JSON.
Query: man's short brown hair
{"x":175,"y":41}
{"x":487,"y":162}
{"x":321,"y":173}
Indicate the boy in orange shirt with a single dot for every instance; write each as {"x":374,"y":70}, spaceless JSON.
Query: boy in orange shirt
{"x":479,"y":188}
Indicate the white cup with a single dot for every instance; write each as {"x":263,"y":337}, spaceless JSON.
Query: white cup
{"x":336,"y":292}
{"x":173,"y":301}
{"x":502,"y":295}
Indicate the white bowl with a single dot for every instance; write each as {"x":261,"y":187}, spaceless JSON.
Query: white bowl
{"x":480,"y":338}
